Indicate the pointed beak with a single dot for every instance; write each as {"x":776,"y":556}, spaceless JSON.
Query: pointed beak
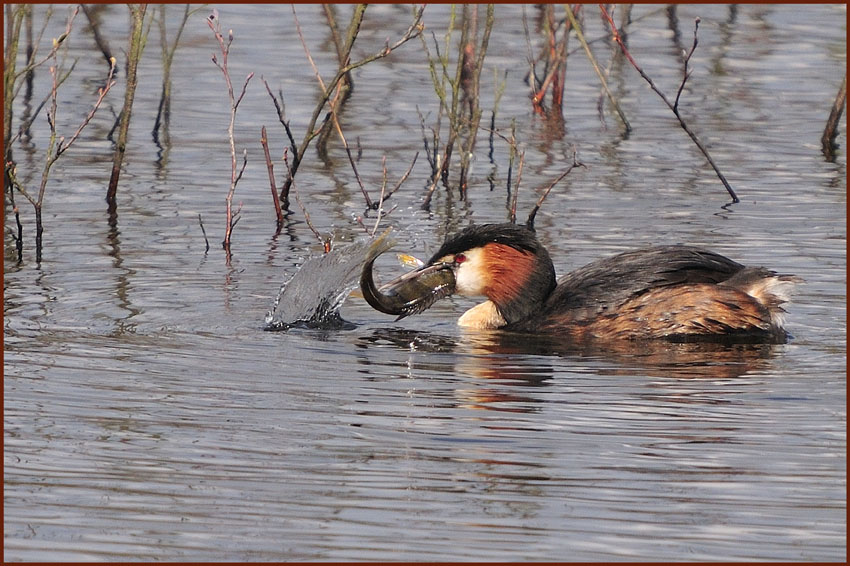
{"x":410,"y":293}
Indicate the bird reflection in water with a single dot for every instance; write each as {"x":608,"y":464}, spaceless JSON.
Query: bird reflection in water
{"x":507,"y":367}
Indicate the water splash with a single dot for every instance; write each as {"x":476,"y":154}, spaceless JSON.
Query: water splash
{"x":313,"y":296}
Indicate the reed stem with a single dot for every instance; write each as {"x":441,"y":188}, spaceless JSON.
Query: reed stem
{"x":134,"y":53}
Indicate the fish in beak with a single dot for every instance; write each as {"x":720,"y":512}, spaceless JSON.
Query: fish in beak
{"x":411,"y":293}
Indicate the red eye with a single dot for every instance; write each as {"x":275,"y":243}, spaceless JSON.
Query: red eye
{"x":460,"y":258}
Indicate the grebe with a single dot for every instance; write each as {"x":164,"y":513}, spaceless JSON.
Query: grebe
{"x":677,"y":293}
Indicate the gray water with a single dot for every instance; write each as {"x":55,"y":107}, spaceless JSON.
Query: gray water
{"x":148,"y":416}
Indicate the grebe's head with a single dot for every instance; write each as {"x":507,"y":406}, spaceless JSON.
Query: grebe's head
{"x":503,"y":262}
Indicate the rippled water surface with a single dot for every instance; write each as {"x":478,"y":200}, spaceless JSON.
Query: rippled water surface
{"x":148,"y":416}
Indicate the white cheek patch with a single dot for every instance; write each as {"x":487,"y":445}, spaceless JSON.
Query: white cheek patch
{"x":471,"y":277}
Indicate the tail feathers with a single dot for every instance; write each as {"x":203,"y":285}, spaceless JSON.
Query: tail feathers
{"x":769,"y":289}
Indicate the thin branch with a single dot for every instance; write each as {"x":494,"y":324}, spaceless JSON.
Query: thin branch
{"x":134,"y":54}
{"x":324,"y":242}
{"x":14,"y":20}
{"x":596,"y":68}
{"x":55,"y":148}
{"x":215,"y":25}
{"x":62,"y":146}
{"x":244,"y":164}
{"x":404,"y":177}
{"x":101,"y":93}
{"x":530,"y":222}
{"x":474,"y":103}
{"x":384,"y":175}
{"x":57,"y":43}
{"x":381,"y":198}
{"x":25,"y":125}
{"x":204,"y":231}
{"x":281,"y":116}
{"x":340,"y":49}
{"x":414,"y":30}
{"x":426,"y":203}
{"x":429,"y":155}
{"x":237,"y":216}
{"x":533,"y":81}
{"x":516,"y":187}
{"x":686,"y":73}
{"x":99,"y":40}
{"x":458,"y":94}
{"x":19,"y":238}
{"x":554,"y":55}
{"x":556,"y":61}
{"x":672,"y":107}
{"x":831,"y":129}
{"x":265,"y":143}
{"x":355,"y":24}
{"x":37,"y":41}
{"x":512,"y":154}
{"x":11,"y":173}
{"x":163,"y":114}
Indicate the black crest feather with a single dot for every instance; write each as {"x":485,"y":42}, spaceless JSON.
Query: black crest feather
{"x":513,"y":235}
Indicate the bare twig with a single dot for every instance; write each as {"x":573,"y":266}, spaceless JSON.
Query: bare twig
{"x":430,"y":154}
{"x":831,"y":129}
{"x":326,"y":242}
{"x":204,"y":231}
{"x":343,"y":53}
{"x":516,"y":187}
{"x":55,"y":148}
{"x":340,"y":48}
{"x":381,"y":198}
{"x":244,"y":164}
{"x":134,"y":54}
{"x":24,"y":127}
{"x":265,"y":143}
{"x":237,"y":216}
{"x":281,"y":116}
{"x":336,"y":100}
{"x":686,"y":73}
{"x":94,"y":24}
{"x":472,"y":93}
{"x":531,"y":215}
{"x":414,"y":30}
{"x":57,"y":43}
{"x":596,"y":68}
{"x":557,"y":62}
{"x":429,"y":194}
{"x":674,"y":107}
{"x":384,"y":173}
{"x":533,"y":81}
{"x":33,"y":43}
{"x":403,"y":177}
{"x":163,"y":113}
{"x":14,"y":20}
{"x":101,"y":93}
{"x":458,"y":95}
{"x":224,"y":47}
{"x":62,"y":145}
{"x":500,"y":90}
{"x":443,"y":86}
{"x":12,"y":85}
{"x":554,"y":57}
{"x":511,"y":158}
